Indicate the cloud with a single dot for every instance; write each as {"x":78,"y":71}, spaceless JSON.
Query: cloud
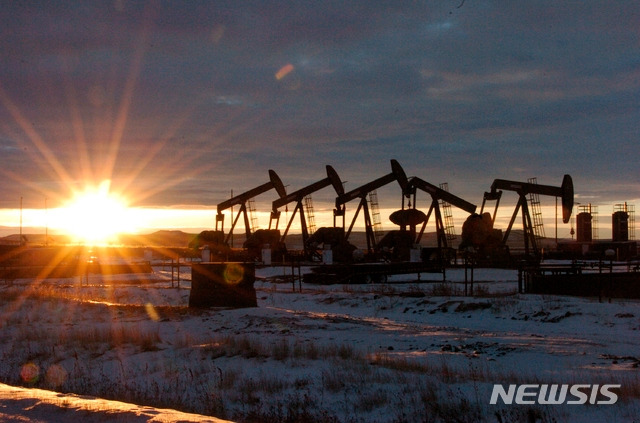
{"x":189,"y":93}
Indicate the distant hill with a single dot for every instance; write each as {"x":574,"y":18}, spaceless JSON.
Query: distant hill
{"x":39,"y":239}
{"x":162,"y":238}
{"x":177,"y":238}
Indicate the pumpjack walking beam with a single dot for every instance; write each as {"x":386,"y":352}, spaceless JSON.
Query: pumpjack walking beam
{"x":242,"y":199}
{"x":437,"y":194}
{"x":299,"y":196}
{"x":565,"y":192}
{"x":397,"y":174}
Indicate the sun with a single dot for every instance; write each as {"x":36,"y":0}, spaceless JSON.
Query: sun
{"x":96,"y":216}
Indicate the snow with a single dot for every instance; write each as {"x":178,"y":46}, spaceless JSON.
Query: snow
{"x":406,"y":350}
{"x":19,"y":404}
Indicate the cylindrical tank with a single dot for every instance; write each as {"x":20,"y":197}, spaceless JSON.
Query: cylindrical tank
{"x":620,"y":229}
{"x":584,"y":231}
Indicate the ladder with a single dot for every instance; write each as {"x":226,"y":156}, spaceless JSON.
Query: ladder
{"x":536,"y":212}
{"x":311,"y":220}
{"x":253,"y":219}
{"x":594,"y":221}
{"x":375,"y":215}
{"x":449,"y":228}
{"x":631,"y":218}
{"x":631,"y":209}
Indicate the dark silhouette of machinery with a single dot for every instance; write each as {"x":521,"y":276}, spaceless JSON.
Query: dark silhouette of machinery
{"x":265,"y":239}
{"x":480,"y":240}
{"x":397,"y":174}
{"x":479,"y":237}
{"x":478,"y":231}
{"x":399,"y":242}
{"x":253,"y":241}
{"x":588,"y":243}
{"x":298,"y":197}
{"x":214,"y":242}
{"x":437,"y":196}
{"x":332,"y":238}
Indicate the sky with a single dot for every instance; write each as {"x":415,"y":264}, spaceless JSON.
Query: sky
{"x":179,"y":103}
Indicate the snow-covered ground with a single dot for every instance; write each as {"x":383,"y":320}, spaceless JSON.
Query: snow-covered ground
{"x":405,"y":351}
{"x":18,"y":404}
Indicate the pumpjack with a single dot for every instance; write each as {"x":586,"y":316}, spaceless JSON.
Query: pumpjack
{"x":437,"y":196}
{"x":565,"y":192}
{"x":397,"y":174}
{"x":398,"y":243}
{"x":274,"y":183}
{"x":298,"y":197}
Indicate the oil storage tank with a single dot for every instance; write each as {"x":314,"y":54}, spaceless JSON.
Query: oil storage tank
{"x":584,"y":232}
{"x":620,"y":229}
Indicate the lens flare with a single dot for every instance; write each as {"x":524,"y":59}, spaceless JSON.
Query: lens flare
{"x":56,"y":376}
{"x":151,"y":312}
{"x":284,"y":71}
{"x":30,"y":373}
{"x":233,"y":274}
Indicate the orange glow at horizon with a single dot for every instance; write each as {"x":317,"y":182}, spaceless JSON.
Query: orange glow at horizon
{"x":95,"y":215}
